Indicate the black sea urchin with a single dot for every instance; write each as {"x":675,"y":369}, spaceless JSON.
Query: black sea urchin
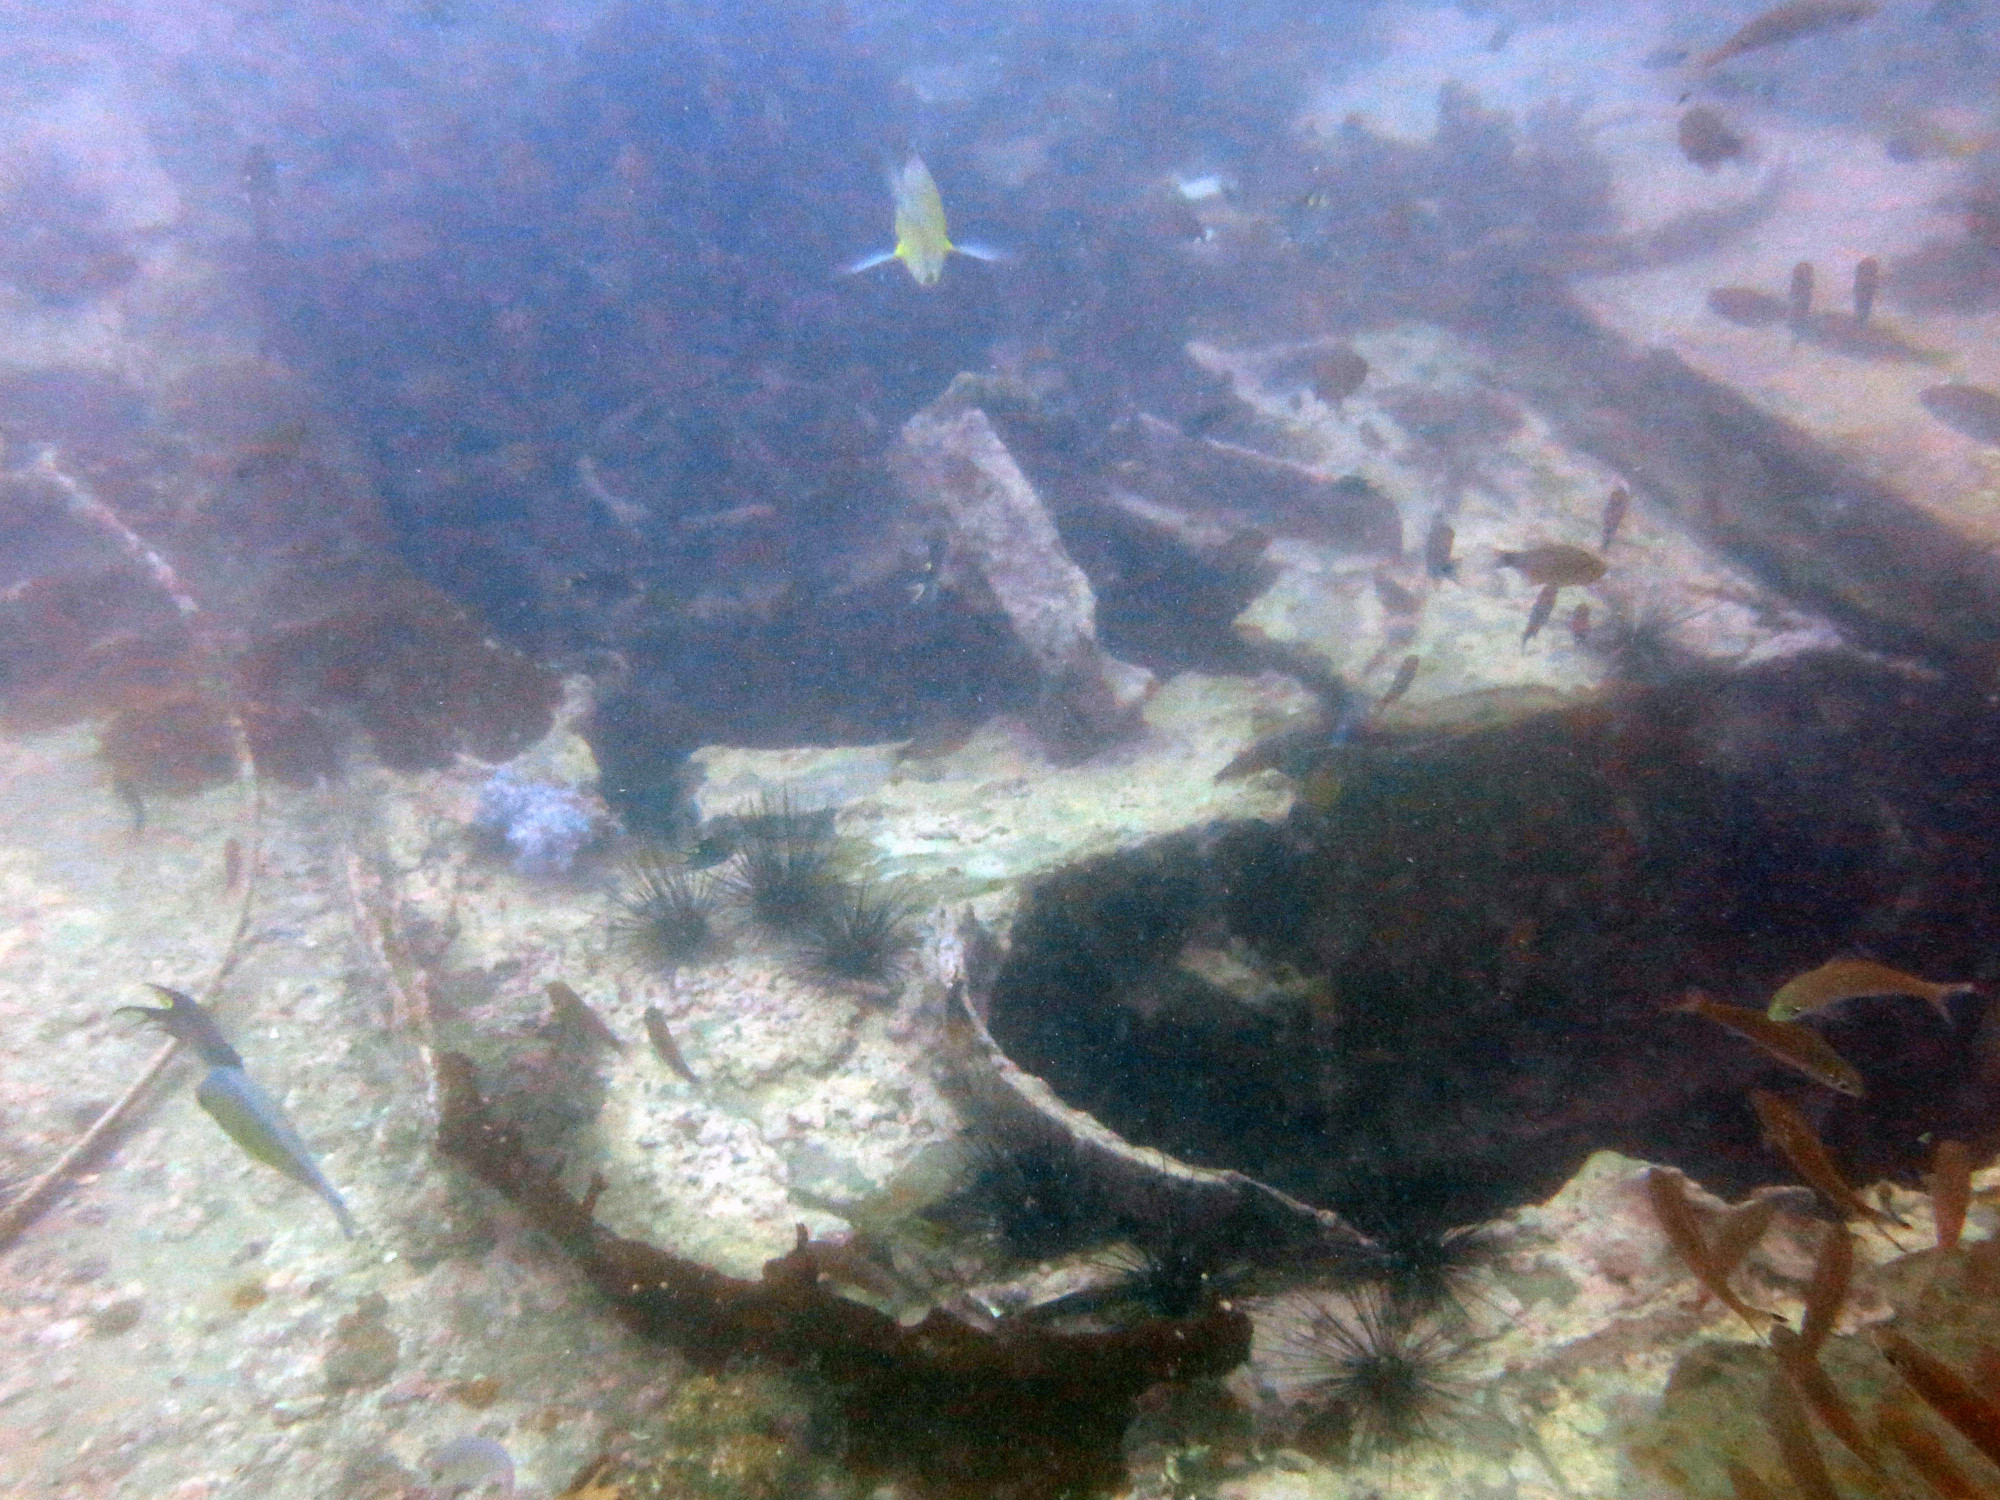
{"x":1029,"y":1201}
{"x":861,"y":938}
{"x":668,"y":913}
{"x":1419,"y":1271}
{"x":1374,"y":1378}
{"x":785,"y":871}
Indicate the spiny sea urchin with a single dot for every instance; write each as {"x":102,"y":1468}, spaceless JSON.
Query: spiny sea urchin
{"x":1418,"y":1270}
{"x":785,"y":869}
{"x":1374,"y":1378}
{"x":668,"y":913}
{"x":1028,"y":1201}
{"x":861,"y":937}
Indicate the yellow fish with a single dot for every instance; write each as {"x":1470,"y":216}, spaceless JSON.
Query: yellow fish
{"x":1850,"y":979}
{"x":922,"y":241}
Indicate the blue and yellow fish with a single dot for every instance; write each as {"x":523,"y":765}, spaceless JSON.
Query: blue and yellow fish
{"x":234,"y":1101}
{"x":922,"y":241}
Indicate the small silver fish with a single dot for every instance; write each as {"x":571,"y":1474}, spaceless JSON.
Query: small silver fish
{"x":233,"y":1099}
{"x":256,"y":1123}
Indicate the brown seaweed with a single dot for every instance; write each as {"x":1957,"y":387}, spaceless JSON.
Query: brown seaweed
{"x":942,"y":1408}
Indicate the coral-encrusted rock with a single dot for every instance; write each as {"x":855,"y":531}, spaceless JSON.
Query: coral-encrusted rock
{"x":953,"y":463}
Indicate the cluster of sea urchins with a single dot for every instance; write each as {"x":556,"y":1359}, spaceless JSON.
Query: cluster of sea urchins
{"x":785,"y":875}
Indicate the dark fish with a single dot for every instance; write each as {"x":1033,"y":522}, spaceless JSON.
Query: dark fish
{"x":1826,"y":1293}
{"x":1292,"y":748}
{"x":1797,"y":1047}
{"x":1668,"y":1191}
{"x":1555,"y":563}
{"x":1787,"y":1130}
{"x":1945,"y":1391}
{"x":1746,"y":307}
{"x":1796,"y":1447}
{"x":1951,"y":1191}
{"x":232,"y":865}
{"x":1706,"y":139}
{"x":1405,"y":675}
{"x":570,"y":1014}
{"x":1971,"y":409}
{"x":1437,"y":550}
{"x":1615,"y":505}
{"x":1822,"y":1396}
{"x":185,"y":1020}
{"x":1925,"y":1452}
{"x":1798,"y":303}
{"x":1867,"y":282}
{"x":1787,"y":23}
{"x":1545,"y":605}
{"x":663,"y":1043}
{"x":1338,"y":375}
{"x":1741,"y":1232}
{"x":1579,"y":623}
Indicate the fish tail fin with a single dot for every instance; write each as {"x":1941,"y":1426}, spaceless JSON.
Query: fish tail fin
{"x":1941,"y":1002}
{"x":340,"y":1210}
{"x":983,"y":252}
{"x":866,"y":263}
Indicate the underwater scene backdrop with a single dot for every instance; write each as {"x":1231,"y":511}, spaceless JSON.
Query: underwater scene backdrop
{"x":989,"y":752}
